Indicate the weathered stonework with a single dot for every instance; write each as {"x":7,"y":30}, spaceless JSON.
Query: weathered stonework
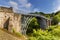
{"x":14,"y":22}
{"x":9,"y":20}
{"x":5,"y":9}
{"x":18,"y":22}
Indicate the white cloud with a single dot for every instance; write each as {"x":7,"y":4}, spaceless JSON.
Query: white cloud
{"x":14,"y":5}
{"x":57,"y":9}
{"x":56,"y":5}
{"x":36,"y":10}
{"x":25,"y":3}
{"x":10,"y":4}
{"x":22,"y":5}
{"x":28,"y":5}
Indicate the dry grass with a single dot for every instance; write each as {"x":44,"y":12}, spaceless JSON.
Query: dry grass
{"x":5,"y":35}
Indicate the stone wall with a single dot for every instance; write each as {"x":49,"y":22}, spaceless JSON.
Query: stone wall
{"x":14,"y":19}
{"x":3,"y":18}
{"x":6,"y":9}
{"x":14,"y":22}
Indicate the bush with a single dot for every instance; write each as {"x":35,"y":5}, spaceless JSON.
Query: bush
{"x":53,"y":34}
{"x":32,"y":38}
{"x":55,"y":31}
{"x":33,"y":25}
{"x":56,"y":19}
{"x":17,"y":33}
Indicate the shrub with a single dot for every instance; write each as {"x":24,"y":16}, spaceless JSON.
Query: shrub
{"x":33,"y":25}
{"x":56,"y":19}
{"x":53,"y":33}
{"x":17,"y":33}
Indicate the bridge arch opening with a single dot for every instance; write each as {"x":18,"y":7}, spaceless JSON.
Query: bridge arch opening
{"x":25,"y":21}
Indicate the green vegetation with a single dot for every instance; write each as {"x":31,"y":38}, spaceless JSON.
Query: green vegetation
{"x":56,"y":19}
{"x":41,"y":13}
{"x":54,"y":16}
{"x":17,"y":33}
{"x":33,"y":25}
{"x":34,"y":32}
{"x":51,"y":33}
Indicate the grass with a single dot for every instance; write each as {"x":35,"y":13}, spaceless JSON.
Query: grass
{"x":16,"y":35}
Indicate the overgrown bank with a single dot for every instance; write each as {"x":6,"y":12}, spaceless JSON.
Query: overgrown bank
{"x":5,"y":35}
{"x":52,"y":33}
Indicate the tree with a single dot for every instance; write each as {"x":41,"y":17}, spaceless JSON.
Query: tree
{"x":57,"y":12}
{"x":33,"y":25}
{"x":56,"y":19}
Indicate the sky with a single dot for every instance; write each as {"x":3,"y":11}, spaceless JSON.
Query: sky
{"x":27,"y":6}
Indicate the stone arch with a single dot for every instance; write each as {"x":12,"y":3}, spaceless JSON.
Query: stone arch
{"x":6,"y":24}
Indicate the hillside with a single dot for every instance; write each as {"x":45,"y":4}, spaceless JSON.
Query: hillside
{"x":6,"y":36}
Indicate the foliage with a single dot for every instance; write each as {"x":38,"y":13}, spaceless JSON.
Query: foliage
{"x":41,"y":13}
{"x":55,"y":30}
{"x":57,"y":12}
{"x":17,"y":33}
{"x":56,"y":19}
{"x":32,"y":38}
{"x":33,"y":25}
{"x":48,"y":16}
{"x":52,"y":33}
{"x":13,"y":30}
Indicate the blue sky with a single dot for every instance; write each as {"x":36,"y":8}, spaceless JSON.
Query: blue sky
{"x":26,"y":6}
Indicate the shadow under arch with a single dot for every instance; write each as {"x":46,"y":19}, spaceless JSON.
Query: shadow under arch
{"x":6,"y":24}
